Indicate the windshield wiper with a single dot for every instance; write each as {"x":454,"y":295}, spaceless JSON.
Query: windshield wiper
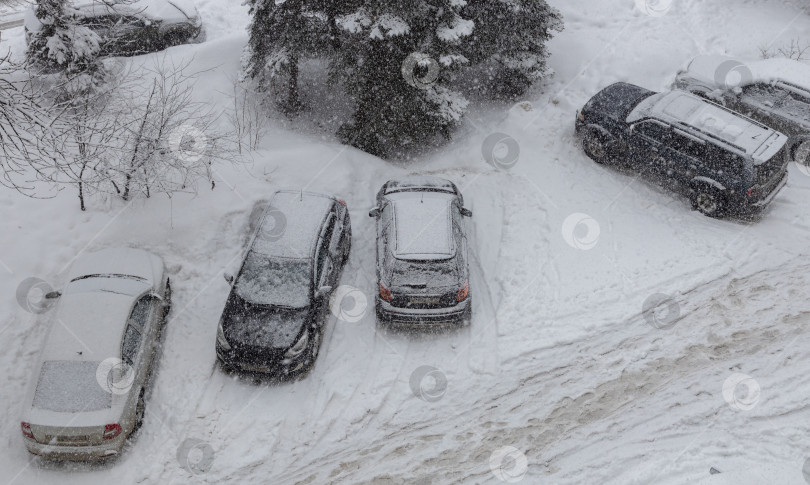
{"x":111,"y":275}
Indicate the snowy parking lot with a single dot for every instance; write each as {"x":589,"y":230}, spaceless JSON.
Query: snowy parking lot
{"x":562,"y":376}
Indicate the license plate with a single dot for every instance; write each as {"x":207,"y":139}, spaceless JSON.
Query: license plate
{"x":424,"y":301}
{"x":73,"y":439}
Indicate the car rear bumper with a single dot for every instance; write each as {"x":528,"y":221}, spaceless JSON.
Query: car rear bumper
{"x":418,"y":316}
{"x":108,"y":449}
{"x":765,"y":201}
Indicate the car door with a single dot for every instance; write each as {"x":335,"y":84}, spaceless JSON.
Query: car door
{"x":761,"y":102}
{"x":687,"y":158}
{"x":647,"y":147}
{"x":795,"y":111}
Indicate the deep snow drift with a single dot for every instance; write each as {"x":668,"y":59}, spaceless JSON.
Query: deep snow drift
{"x":560,"y":379}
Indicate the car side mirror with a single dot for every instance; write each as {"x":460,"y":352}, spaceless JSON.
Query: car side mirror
{"x":228,"y":278}
{"x":375,"y":212}
{"x":52,"y":295}
{"x":466,"y":212}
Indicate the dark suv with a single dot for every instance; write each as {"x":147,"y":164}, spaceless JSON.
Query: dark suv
{"x":275,"y":313}
{"x":422,"y":268}
{"x":726,"y":163}
{"x":775,"y":92}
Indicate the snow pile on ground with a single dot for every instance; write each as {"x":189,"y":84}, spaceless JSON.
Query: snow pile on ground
{"x":562,"y":377}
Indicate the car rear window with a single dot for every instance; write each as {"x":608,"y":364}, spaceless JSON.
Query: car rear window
{"x":430,"y":273}
{"x":70,"y":387}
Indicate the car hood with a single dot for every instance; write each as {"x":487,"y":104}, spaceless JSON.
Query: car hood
{"x":247,"y":324}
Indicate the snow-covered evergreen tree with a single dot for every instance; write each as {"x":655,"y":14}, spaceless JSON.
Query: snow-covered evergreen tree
{"x":397,"y":61}
{"x":509,"y":41}
{"x":284,"y":32}
{"x":63,"y":44}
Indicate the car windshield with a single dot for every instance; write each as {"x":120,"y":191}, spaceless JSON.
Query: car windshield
{"x":422,"y":274}
{"x":641,"y":109}
{"x":70,"y":387}
{"x":274,"y":281}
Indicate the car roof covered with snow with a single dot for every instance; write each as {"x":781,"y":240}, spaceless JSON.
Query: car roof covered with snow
{"x":419,"y":182}
{"x":291,"y":224}
{"x":680,"y":108}
{"x":718,"y":71}
{"x":423,"y":225}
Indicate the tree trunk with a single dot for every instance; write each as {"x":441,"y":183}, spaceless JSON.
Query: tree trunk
{"x":293,"y":102}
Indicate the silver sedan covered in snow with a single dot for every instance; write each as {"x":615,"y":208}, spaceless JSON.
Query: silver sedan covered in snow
{"x":87,"y":392}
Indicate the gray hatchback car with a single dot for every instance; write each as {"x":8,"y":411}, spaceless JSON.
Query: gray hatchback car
{"x":422,"y":265}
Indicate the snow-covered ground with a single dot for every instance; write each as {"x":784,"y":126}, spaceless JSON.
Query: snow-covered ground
{"x":561,"y":378}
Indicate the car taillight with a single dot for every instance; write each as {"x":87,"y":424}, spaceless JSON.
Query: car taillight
{"x":111,"y":431}
{"x":342,"y":202}
{"x":580,"y":116}
{"x":26,"y":430}
{"x":385,"y":293}
{"x":463,"y":292}
{"x":752,"y":192}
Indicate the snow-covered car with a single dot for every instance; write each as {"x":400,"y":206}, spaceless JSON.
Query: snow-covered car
{"x":775,"y":92}
{"x":132,"y":27}
{"x":422,"y":268}
{"x":275,"y":313}
{"x":724,"y":162}
{"x":88,"y":388}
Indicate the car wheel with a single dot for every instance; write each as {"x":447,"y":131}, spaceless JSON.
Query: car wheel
{"x":800,"y":153}
{"x":314,"y":348}
{"x":167,"y":299}
{"x":140,"y":410}
{"x":594,"y":146}
{"x":709,"y":202}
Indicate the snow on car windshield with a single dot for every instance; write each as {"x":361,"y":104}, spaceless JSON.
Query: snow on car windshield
{"x":70,"y":387}
{"x":274,"y":281}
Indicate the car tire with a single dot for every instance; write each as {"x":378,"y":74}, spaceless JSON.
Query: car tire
{"x":140,"y":411}
{"x":709,"y":201}
{"x":167,"y":299}
{"x":314,"y":349}
{"x":801,"y":149}
{"x":595,"y":146}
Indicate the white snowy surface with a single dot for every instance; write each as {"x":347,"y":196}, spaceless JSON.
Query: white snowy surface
{"x":558,"y":363}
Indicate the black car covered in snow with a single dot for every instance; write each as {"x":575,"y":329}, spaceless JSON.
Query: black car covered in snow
{"x":132,"y":27}
{"x":277,"y":307}
{"x":724,"y":162}
{"x":422,"y":268}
